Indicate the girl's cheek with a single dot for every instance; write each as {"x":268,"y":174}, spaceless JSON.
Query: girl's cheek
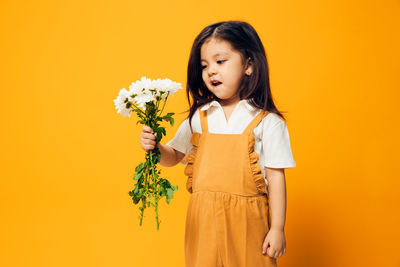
{"x":204,"y":78}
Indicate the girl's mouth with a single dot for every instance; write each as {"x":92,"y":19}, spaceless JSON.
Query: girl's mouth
{"x":216,"y":84}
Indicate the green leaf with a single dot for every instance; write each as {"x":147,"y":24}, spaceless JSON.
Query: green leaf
{"x":138,"y":175}
{"x":135,"y":199}
{"x":162,"y":192}
{"x":162,"y":130}
{"x":140,"y":167}
{"x":174,"y":187}
{"x":170,"y":193}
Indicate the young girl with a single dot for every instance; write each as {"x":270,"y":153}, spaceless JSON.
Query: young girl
{"x":235,"y":145}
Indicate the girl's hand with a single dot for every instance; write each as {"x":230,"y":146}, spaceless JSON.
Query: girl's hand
{"x":274,"y":243}
{"x":147,"y":138}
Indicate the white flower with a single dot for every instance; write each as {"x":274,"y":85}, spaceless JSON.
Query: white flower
{"x":144,"y":91}
{"x":166,"y":86}
{"x":141,"y":87}
{"x":141,"y":100}
{"x":120,"y":102}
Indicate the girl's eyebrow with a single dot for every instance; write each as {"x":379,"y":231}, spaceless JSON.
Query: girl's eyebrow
{"x":217,"y":54}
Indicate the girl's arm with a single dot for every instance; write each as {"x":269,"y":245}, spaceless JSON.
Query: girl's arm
{"x":169,"y":156}
{"x":275,"y":242}
{"x":277,"y":196}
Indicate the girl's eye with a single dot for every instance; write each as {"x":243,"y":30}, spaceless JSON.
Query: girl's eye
{"x":202,"y":67}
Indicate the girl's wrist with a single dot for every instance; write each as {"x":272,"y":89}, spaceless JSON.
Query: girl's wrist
{"x":277,"y":228}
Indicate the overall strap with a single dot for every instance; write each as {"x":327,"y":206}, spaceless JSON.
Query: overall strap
{"x":255,"y":122}
{"x":203,"y":121}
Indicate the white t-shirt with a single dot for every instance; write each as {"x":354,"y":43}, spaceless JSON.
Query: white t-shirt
{"x":272,"y":142}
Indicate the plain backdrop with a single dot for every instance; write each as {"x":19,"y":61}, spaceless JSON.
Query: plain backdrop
{"x":67,"y":158}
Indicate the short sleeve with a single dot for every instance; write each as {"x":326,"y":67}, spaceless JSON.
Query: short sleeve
{"x":181,"y":141}
{"x":276,"y":146}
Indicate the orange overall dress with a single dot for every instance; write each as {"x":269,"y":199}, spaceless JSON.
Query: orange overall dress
{"x":228,"y":211}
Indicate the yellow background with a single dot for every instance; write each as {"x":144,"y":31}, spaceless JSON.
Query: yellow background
{"x":68,"y":158}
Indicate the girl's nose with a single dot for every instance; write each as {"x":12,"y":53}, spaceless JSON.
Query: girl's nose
{"x":211,"y":70}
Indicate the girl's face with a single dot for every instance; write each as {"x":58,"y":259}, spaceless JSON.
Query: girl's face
{"x":220,"y":62}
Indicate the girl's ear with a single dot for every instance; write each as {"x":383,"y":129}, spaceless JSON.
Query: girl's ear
{"x":249,"y":67}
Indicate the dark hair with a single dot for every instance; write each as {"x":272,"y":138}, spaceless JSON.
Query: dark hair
{"x":246,"y":41}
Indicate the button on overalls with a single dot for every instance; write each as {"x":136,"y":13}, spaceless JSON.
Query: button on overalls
{"x":228,"y":211}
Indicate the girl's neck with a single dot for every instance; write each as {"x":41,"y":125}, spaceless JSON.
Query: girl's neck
{"x":229,"y":103}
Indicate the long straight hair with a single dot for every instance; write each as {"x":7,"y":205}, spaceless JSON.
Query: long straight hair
{"x":244,"y":39}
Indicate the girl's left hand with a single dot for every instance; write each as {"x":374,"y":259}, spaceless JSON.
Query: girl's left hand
{"x":274,"y":243}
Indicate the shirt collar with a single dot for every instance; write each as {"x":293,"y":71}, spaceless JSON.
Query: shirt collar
{"x":244,"y":102}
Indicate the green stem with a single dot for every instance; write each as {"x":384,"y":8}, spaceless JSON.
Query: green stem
{"x":142,"y":211}
{"x":154,"y":193}
{"x":164,"y":104}
{"x":140,"y":111}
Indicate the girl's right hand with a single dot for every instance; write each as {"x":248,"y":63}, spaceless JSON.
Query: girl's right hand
{"x":147,"y":138}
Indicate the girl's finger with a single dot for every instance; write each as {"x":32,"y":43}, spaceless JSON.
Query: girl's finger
{"x":145,"y":136}
{"x":147,"y":129}
{"x":151,"y":143}
{"x":149,"y":147}
{"x":271,"y":252}
{"x":149,"y":136}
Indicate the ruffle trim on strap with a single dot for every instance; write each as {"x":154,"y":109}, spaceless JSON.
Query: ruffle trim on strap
{"x":255,"y":167}
{"x":190,"y":158}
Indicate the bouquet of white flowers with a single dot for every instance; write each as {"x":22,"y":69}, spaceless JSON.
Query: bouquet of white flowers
{"x":144,"y":97}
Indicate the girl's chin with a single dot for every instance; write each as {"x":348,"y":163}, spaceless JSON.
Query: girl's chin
{"x":222,"y":97}
{"x":217,"y":90}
